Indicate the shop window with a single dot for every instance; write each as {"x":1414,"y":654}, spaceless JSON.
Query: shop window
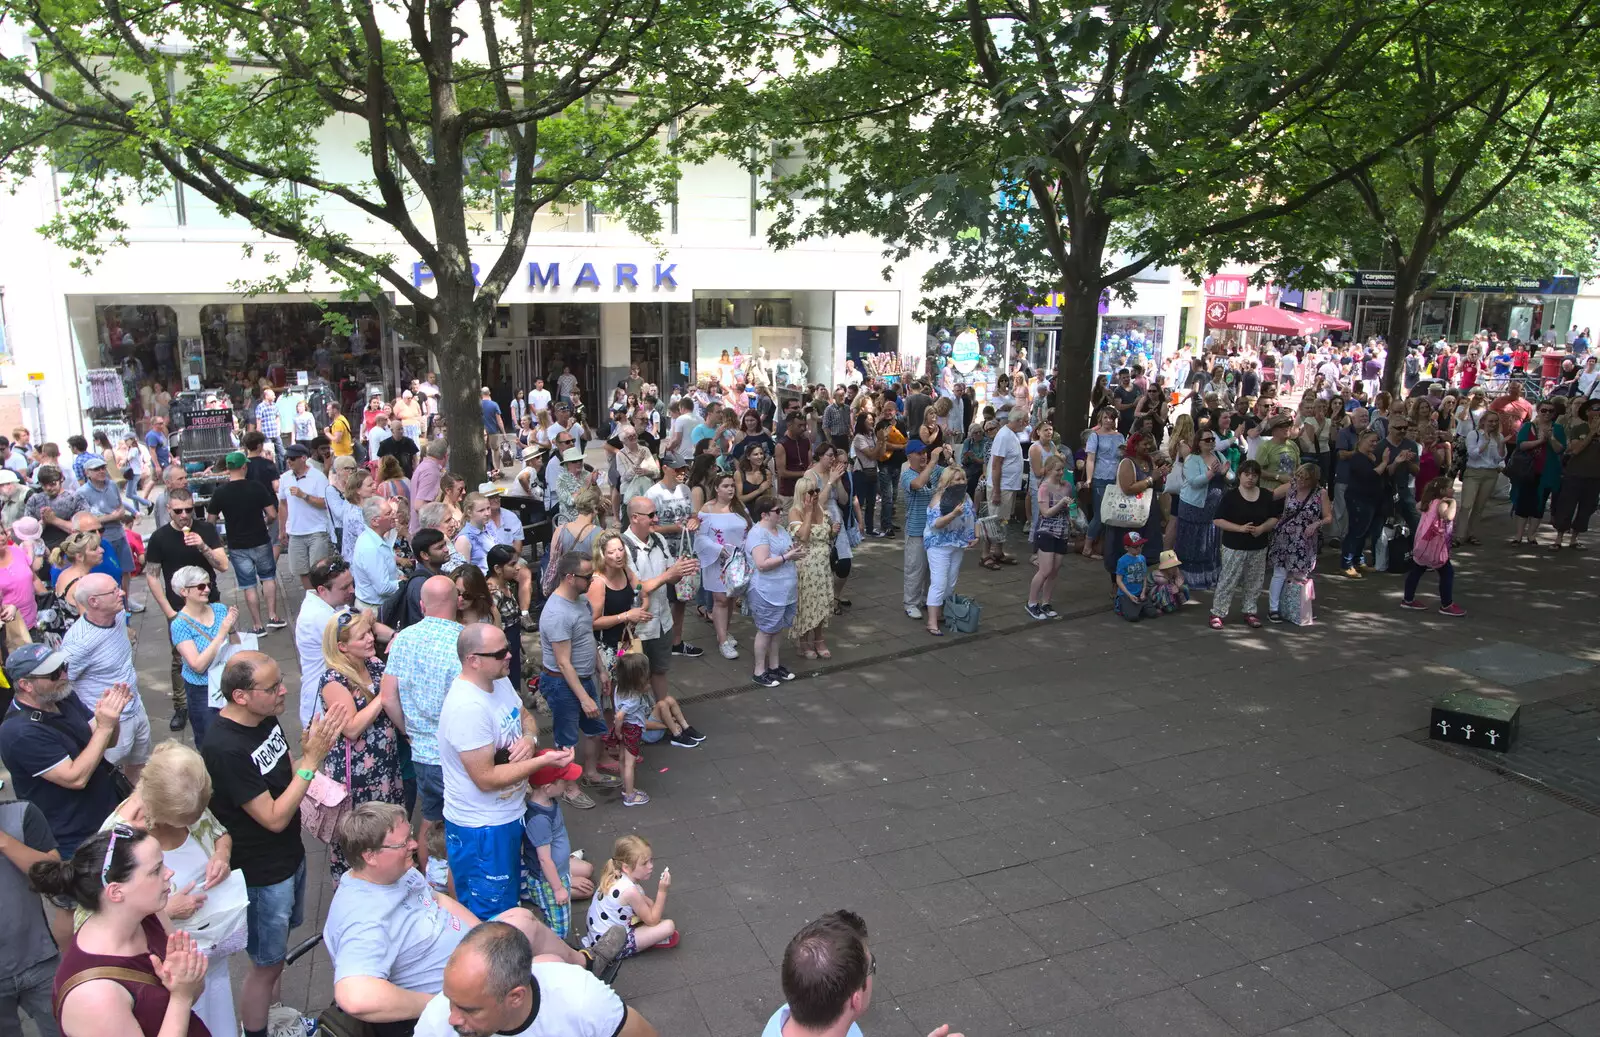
{"x":680,"y":344}
{"x":277,"y":341}
{"x":145,"y":336}
{"x":564,"y":319}
{"x":1126,"y":341}
{"x":721,"y":312}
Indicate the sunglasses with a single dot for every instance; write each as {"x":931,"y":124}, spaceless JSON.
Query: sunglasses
{"x":646,"y":514}
{"x":118,"y":831}
{"x":200,"y":586}
{"x":181,"y":511}
{"x":501,"y":654}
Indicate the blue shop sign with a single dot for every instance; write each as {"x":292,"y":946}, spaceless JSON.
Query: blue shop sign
{"x":548,"y":275}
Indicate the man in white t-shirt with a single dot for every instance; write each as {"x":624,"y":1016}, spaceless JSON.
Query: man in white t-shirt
{"x":494,"y":985}
{"x":304,"y":492}
{"x":332,"y":588}
{"x":674,"y":517}
{"x":539,"y":399}
{"x":485,"y":741}
{"x":1004,"y":480}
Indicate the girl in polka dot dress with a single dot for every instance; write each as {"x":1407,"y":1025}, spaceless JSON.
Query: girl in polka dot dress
{"x":619,"y":899}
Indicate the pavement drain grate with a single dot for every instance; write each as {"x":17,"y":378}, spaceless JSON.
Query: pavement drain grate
{"x":1504,"y":766}
{"x":1508,"y":663}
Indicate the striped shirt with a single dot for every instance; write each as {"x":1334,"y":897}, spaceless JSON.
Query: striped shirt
{"x":98,"y":657}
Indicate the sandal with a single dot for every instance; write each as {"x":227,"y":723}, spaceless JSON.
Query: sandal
{"x":935,"y":632}
{"x":1576,"y":546}
{"x":1007,"y":560}
{"x":1252,"y":621}
{"x":1474,"y":541}
{"x":1216,"y":622}
{"x":806,"y":652}
{"x":990,"y":564}
{"x":823,"y":653}
{"x":1515,"y":542}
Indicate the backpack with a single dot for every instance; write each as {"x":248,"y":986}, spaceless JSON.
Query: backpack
{"x":397,"y":613}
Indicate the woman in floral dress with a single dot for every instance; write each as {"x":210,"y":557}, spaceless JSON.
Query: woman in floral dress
{"x":810,"y":528}
{"x":1293,"y":552}
{"x":371,"y":740}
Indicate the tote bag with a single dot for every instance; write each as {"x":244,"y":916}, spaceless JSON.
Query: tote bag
{"x":688,"y":588}
{"x":1432,"y":547}
{"x":1124,"y":510}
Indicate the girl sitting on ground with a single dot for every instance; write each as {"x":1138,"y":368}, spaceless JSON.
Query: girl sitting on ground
{"x":619,"y":899}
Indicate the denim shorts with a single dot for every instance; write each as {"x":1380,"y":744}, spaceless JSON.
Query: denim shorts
{"x":430,"y":789}
{"x":252,"y":565}
{"x":274,"y":911}
{"x":567,"y":719}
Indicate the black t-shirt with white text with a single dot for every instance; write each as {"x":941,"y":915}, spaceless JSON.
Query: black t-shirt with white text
{"x":243,"y":763}
{"x":166,"y":548}
{"x":242,"y":503}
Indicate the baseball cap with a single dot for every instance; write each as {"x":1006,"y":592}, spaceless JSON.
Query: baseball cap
{"x":551,"y":775}
{"x":916,"y":446}
{"x":93,"y":461}
{"x":36,"y":658}
{"x":1132,"y":539}
{"x":297,"y":450}
{"x":235,"y":459}
{"x":671,"y":459}
{"x":489,"y":489}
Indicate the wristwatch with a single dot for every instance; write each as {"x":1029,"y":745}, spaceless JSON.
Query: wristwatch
{"x":306,"y":772}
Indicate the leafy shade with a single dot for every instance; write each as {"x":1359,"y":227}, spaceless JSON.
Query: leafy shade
{"x":468,"y":119}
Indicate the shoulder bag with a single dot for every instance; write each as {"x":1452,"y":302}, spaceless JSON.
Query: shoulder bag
{"x":688,"y":588}
{"x":326,"y":802}
{"x":962,"y":614}
{"x":1123,"y":510}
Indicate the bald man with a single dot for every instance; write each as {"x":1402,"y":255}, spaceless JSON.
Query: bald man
{"x":99,"y":651}
{"x":493,"y":985}
{"x":422,"y":665}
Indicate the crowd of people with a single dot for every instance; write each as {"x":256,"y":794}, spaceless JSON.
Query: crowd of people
{"x":416,"y":605}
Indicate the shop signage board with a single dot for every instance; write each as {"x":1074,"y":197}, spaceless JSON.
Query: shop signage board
{"x":654,"y":277}
{"x":1227,"y":287}
{"x":1216,"y":312}
{"x":1383,"y":281}
{"x":964,"y":351}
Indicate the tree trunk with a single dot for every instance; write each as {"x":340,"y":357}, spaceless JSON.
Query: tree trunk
{"x":1080,"y":330}
{"x":460,"y":343}
{"x":1407,"y":276}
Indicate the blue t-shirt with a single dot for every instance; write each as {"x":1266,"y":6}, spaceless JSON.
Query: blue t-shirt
{"x":184,"y":628}
{"x":157,"y":442}
{"x":491,"y":411}
{"x":544,"y":826}
{"x":1132,"y":569}
{"x":774,"y":1026}
{"x":108,"y":564}
{"x":917,"y":500}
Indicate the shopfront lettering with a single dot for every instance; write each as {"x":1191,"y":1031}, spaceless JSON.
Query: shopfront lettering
{"x":420,"y":274}
{"x":623,"y":275}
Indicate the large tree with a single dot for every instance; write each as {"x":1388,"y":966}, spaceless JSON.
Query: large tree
{"x":471,"y":118}
{"x":1038,"y":146}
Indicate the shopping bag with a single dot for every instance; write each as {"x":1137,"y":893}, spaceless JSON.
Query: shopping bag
{"x":218,"y":925}
{"x":1123,"y":510}
{"x":1298,"y":596}
{"x":237,"y":643}
{"x":688,"y":588}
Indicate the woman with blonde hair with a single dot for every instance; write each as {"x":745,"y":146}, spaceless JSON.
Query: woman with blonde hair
{"x":620,"y":900}
{"x":810,"y":530}
{"x":952,"y":528}
{"x":170,"y":802}
{"x":1055,"y":504}
{"x":392,"y":481}
{"x":78,"y":554}
{"x":366,"y":756}
{"x":588,"y":513}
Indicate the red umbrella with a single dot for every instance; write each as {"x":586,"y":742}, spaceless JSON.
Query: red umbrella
{"x":1272,"y":320}
{"x":1328,"y":323}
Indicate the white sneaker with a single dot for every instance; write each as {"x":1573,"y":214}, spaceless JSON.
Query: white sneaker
{"x":729,"y":649}
{"x":913,"y":612}
{"x":136,"y":607}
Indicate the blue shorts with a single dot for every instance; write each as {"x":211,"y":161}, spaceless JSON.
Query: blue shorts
{"x":650,"y":737}
{"x":487,"y":865}
{"x":274,"y":911}
{"x":566,"y":718}
{"x":252,"y":565}
{"x":124,"y":554}
{"x":430,"y":789}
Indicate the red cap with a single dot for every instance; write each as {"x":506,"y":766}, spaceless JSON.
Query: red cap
{"x":551,"y":775}
{"x":1133,"y":539}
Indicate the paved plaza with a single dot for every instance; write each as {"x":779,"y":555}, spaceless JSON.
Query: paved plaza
{"x":1103,"y":829}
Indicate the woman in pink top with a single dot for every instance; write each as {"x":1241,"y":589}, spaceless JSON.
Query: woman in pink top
{"x":17,"y":580}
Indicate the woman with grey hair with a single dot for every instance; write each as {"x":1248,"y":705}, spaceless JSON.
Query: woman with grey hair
{"x":199,"y":631}
{"x":437,"y":515}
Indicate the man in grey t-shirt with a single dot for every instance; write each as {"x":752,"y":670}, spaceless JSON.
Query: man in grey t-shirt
{"x":569,"y":677}
{"x":390,"y":935}
{"x":28,"y":957}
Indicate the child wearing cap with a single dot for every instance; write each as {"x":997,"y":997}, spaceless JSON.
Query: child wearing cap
{"x":1132,"y":574}
{"x":548,"y":867}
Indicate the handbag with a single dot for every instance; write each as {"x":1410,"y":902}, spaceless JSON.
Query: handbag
{"x":326,"y":802}
{"x":736,"y":570}
{"x":688,"y":588}
{"x":1297,"y":601}
{"x":1124,"y":510}
{"x":630,"y":643}
{"x":962,"y":614}
{"x":1522,"y":465}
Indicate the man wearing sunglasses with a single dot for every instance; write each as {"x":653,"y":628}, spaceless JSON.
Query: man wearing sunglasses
{"x":186,"y":539}
{"x":55,"y":746}
{"x":485,"y":741}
